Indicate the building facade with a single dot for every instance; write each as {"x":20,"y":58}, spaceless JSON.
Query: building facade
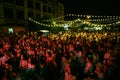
{"x":17,"y":12}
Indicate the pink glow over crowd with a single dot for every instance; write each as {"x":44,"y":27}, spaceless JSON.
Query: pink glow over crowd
{"x":63,"y":56}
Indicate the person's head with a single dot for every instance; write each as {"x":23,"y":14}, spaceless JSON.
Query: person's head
{"x":42,"y":64}
{"x":89,"y":58}
{"x":18,"y":55}
{"x":67,"y":68}
{"x":99,"y":67}
{"x":23,"y":57}
{"x":116,"y":51}
{"x":6,"y":55}
{"x":29,"y":59}
{"x":109,"y":50}
{"x":10,"y":68}
{"x":110,"y":60}
{"x":92,"y":76}
{"x":17,"y":46}
{"x":71,"y":54}
{"x":6,"y":66}
{"x":32,"y":61}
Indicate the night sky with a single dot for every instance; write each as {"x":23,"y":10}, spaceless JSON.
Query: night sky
{"x":93,"y":7}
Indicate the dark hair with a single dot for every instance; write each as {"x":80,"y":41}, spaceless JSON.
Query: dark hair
{"x":93,"y":75}
{"x":90,"y":58}
{"x":32,"y":61}
{"x":25,"y":56}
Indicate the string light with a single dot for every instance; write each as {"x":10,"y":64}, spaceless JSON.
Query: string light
{"x":79,"y":20}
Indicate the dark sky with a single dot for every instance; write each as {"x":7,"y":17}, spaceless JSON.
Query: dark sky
{"x":95,"y":7}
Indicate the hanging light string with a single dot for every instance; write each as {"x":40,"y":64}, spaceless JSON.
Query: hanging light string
{"x":94,"y":16}
{"x":113,"y":19}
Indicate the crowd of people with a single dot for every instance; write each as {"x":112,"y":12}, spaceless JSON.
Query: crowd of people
{"x":63,"y":56}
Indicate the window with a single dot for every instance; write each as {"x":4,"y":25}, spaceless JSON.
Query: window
{"x":44,"y":8}
{"x":37,"y":16}
{"x":37,"y":6}
{"x":53,"y":11}
{"x":20,"y":14}
{"x":8,"y":12}
{"x":9,"y":1}
{"x":45,"y":1}
{"x":49,"y":0}
{"x":30,"y":14}
{"x":20,"y":2}
{"x":61,"y":8}
{"x":30,"y":3}
{"x":49,"y":10}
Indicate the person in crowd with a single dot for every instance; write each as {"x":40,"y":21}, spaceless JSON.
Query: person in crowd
{"x":23,"y":62}
{"x":99,"y":71}
{"x":67,"y":55}
{"x":68,"y":73}
{"x":88,"y":65}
